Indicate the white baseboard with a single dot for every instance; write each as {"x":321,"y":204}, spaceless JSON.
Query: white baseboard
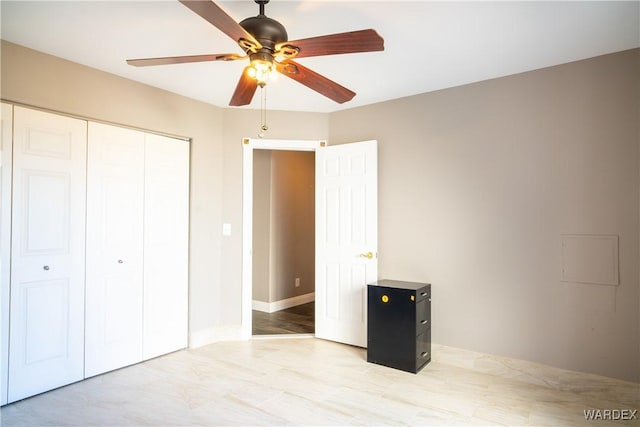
{"x":215,"y":334}
{"x":234,"y":332}
{"x":283,"y":303}
{"x":260,"y":306}
{"x":282,"y":337}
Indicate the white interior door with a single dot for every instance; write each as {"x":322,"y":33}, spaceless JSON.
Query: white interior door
{"x":346,"y":239}
{"x":115,"y":198}
{"x":46,"y":344}
{"x":166,"y":245}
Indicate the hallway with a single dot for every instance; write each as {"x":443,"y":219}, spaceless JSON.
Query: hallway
{"x":294,"y":320}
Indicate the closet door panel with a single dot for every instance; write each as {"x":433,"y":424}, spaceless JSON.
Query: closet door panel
{"x":6,"y":144}
{"x":46,"y":337}
{"x":115,"y":187}
{"x":166,"y":245}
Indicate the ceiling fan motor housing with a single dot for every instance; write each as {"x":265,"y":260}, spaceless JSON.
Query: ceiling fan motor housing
{"x":267,"y":31}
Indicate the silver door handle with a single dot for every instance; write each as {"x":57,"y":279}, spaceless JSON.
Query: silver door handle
{"x":46,"y":267}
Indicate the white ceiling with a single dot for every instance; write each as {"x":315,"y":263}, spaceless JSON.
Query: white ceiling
{"x":428,"y":45}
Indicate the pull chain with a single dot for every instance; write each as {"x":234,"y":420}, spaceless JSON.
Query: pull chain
{"x":263,"y":112}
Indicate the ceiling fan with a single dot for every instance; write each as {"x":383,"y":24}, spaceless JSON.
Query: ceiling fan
{"x":265,"y":43}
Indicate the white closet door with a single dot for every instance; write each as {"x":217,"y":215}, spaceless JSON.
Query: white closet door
{"x":115,"y":194}
{"x":166,"y":245}
{"x":6,"y":143}
{"x":46,"y":338}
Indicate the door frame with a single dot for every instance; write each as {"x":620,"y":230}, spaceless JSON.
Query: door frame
{"x":248,"y":145}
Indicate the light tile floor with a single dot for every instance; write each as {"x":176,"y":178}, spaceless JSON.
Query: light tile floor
{"x":309,"y":381}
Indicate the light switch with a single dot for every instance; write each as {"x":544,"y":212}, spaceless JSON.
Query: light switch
{"x":226,"y":229}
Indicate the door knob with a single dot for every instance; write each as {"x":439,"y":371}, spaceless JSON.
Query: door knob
{"x":46,"y":267}
{"x":368,"y":255}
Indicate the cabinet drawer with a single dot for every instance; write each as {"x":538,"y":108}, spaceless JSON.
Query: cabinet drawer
{"x":423,"y":348}
{"x":423,"y":316}
{"x":423,"y":293}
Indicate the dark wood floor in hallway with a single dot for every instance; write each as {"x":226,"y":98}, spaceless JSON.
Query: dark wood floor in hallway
{"x":294,"y":320}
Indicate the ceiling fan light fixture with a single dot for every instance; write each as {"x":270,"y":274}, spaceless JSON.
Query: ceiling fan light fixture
{"x":261,"y":70}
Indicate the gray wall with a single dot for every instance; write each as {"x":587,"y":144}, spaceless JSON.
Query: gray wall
{"x":476,"y":185}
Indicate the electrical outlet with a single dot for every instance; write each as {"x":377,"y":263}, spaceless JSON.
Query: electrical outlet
{"x":297,"y":282}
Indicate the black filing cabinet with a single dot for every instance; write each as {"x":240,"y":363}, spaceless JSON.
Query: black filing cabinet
{"x":399,"y":324}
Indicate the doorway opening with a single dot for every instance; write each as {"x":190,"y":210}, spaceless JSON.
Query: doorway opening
{"x":274,"y":297}
{"x":283,"y":267}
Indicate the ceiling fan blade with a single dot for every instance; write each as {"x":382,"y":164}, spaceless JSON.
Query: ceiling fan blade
{"x":145,"y":62}
{"x":333,"y":44}
{"x":315,"y":81}
{"x":213,"y":14}
{"x":244,"y":90}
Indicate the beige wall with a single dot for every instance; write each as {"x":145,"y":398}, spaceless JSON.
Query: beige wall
{"x":293,"y":198}
{"x":476,"y":185}
{"x":283,"y":224}
{"x":261,"y":247}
